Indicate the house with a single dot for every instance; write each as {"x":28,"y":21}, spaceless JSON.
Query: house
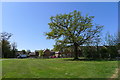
{"x":33,"y":55}
{"x":19,"y":52}
{"x":51,"y":54}
{"x":58,"y":54}
{"x":47,"y":53}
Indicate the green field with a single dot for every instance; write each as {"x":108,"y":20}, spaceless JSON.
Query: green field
{"x":57,"y":68}
{"x":0,"y":68}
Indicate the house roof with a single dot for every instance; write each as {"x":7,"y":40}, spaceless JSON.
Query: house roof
{"x":32,"y":53}
{"x":46,"y":50}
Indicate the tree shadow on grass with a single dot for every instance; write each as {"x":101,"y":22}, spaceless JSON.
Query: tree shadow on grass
{"x":91,"y":60}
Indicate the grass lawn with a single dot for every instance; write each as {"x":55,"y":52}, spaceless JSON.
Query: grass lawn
{"x":57,"y":68}
{"x":0,"y":68}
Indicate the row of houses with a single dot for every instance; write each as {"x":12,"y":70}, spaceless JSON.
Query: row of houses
{"x":47,"y":54}
{"x":52,"y":54}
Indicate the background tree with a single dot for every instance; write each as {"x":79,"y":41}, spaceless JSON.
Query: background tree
{"x":72,"y":29}
{"x":14,"y":49}
{"x":111,"y":42}
{"x":0,"y":49}
{"x":5,"y":44}
{"x":24,"y":52}
{"x":28,"y":51}
{"x":97,"y":43}
{"x":41,"y":53}
{"x":37,"y":53}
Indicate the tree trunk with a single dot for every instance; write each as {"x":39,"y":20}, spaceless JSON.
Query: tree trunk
{"x":2,"y":49}
{"x":76,"y":51}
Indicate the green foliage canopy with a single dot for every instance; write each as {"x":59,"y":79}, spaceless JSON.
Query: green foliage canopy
{"x":72,"y":28}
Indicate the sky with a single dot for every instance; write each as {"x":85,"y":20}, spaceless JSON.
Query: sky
{"x":28,"y":21}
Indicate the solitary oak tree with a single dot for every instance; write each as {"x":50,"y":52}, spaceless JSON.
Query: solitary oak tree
{"x":72,"y":29}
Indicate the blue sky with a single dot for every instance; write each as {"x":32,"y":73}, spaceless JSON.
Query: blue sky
{"x":28,"y":21}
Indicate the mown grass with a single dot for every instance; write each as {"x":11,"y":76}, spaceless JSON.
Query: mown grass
{"x":0,"y":68}
{"x":57,"y":68}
